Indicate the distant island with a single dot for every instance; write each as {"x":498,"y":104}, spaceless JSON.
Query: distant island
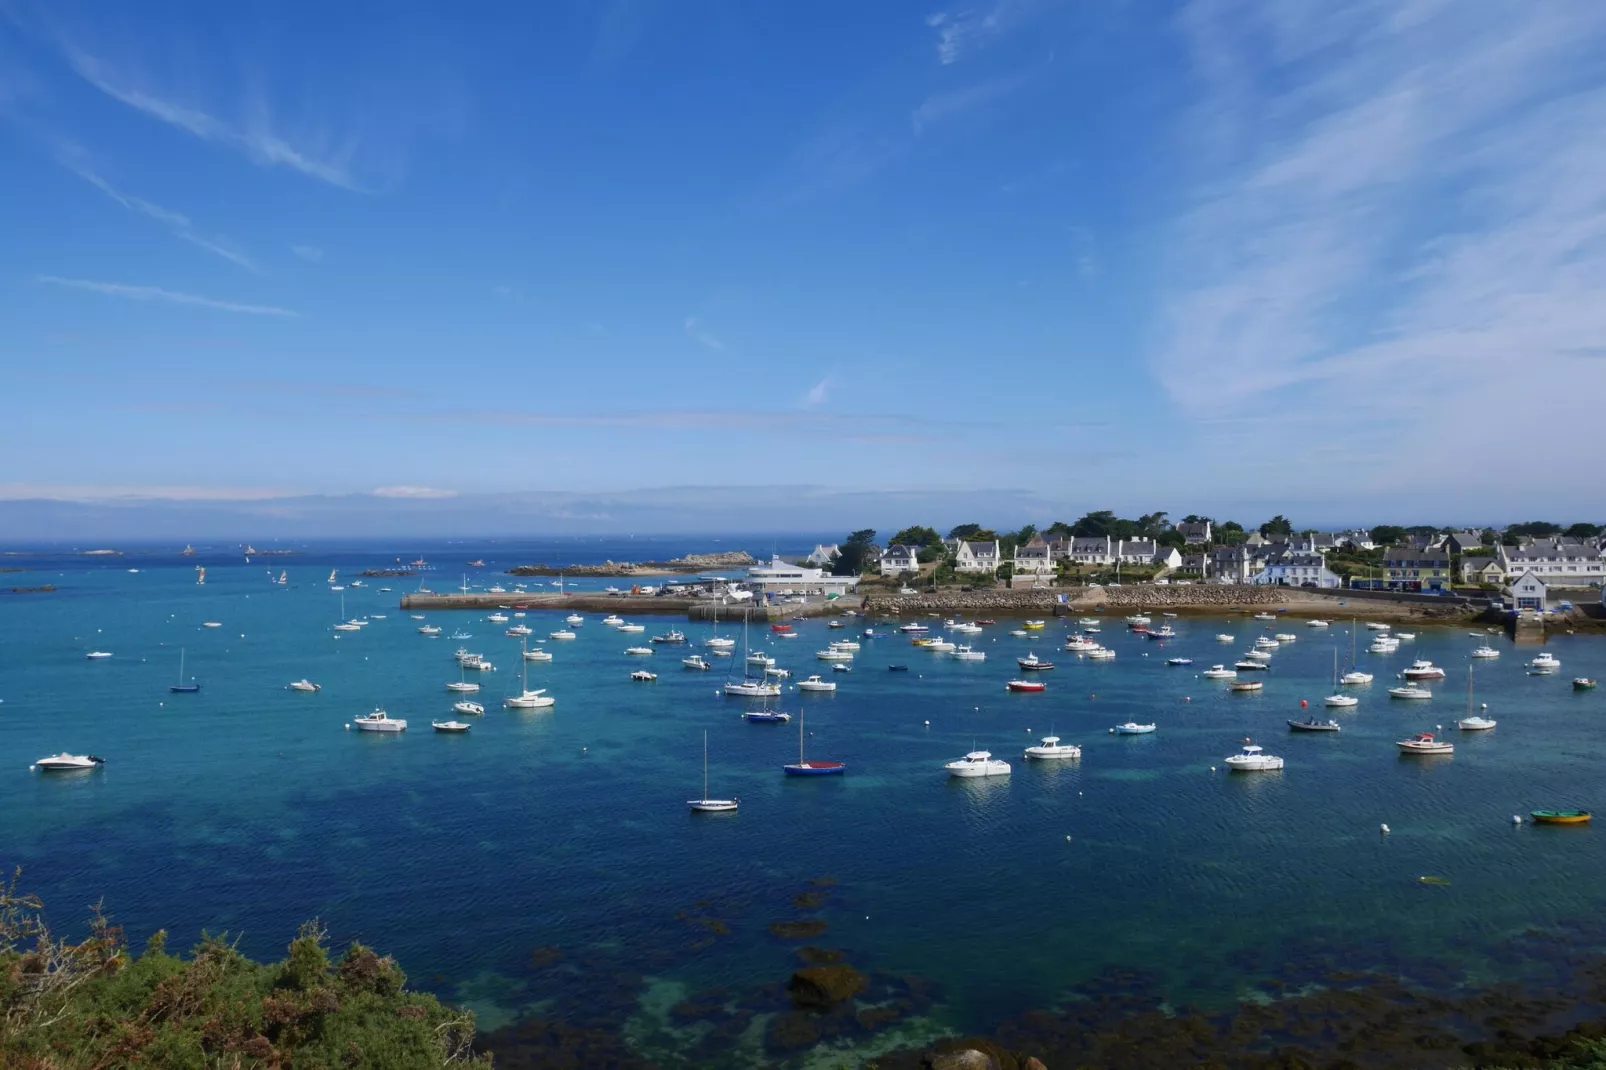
{"x":689,"y":563}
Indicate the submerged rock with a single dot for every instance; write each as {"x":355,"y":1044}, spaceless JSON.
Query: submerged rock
{"x":825,"y":986}
{"x":798,"y":930}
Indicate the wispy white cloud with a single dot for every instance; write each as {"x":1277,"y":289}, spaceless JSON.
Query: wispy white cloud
{"x":256,"y":138}
{"x":819,"y":393}
{"x":178,"y":222}
{"x":418,"y":493}
{"x":958,"y":102}
{"x":308,"y":252}
{"x":697,"y":331}
{"x":153,"y":293}
{"x":960,"y":33}
{"x":1395,"y":228}
{"x":96,"y":492}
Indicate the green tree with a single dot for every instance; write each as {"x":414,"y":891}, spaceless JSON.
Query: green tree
{"x":1583,"y":531}
{"x":1026,"y":534}
{"x":1058,"y":530}
{"x":1153,"y":525}
{"x":1230,"y":533}
{"x":854,"y":558}
{"x":965,"y":531}
{"x":1195,"y":518}
{"x":916,"y":536}
{"x":1277,"y":527}
{"x":1538,"y":529}
{"x":1387,"y":534}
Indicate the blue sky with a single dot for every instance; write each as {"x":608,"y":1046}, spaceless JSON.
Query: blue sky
{"x":1217,"y":256}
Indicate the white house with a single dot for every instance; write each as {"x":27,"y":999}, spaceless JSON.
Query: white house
{"x":976,"y":557}
{"x":1168,"y":557}
{"x":1136,"y":551}
{"x":1296,"y":570}
{"x":1034,"y":559}
{"x":1092,"y":551}
{"x":781,"y":577}
{"x":1529,"y":592}
{"x":823,"y":555}
{"x":900,"y":559}
{"x":1561,"y":562}
{"x":1195,"y":534}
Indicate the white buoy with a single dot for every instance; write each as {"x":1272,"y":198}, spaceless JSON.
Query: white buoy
{"x":1067,"y":839}
{"x":1516,"y":819}
{"x":1385,"y":830}
{"x":348,"y":727}
{"x":928,"y":724}
{"x":1212,"y":769}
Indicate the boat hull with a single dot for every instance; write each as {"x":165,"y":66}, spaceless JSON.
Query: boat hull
{"x":814,"y":769}
{"x":184,"y":689}
{"x":1561,"y":817}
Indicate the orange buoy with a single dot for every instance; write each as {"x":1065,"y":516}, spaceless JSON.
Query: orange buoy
{"x":1304,"y":704}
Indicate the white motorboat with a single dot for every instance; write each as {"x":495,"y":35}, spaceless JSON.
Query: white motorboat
{"x":574,"y":619}
{"x":562,"y":635}
{"x":477,"y":664}
{"x":66,"y":763}
{"x":1405,"y":637}
{"x":638,"y":651}
{"x":720,"y":642}
{"x":1219,"y":672}
{"x":760,"y":659}
{"x":1051,"y":747}
{"x":450,"y":726}
{"x":1265,"y":616}
{"x":752,"y":689}
{"x":1137,"y":619}
{"x":829,"y":654}
{"x":964,"y":652}
{"x":1020,"y":633}
{"x":219,"y":624}
{"x":429,"y":629}
{"x":1285,"y":637}
{"x":840,"y":644}
{"x":530,"y":700}
{"x":836,"y":624}
{"x":98,"y":655}
{"x":939,"y":646}
{"x":778,"y":673}
{"x":632,"y":628}
{"x":1253,"y":760}
{"x":1132,"y":728}
{"x":1383,"y":648}
{"x":696,"y":661}
{"x":1223,"y":637}
{"x":1081,"y":644}
{"x":613,"y":620}
{"x":1258,"y":655}
{"x":304,"y":685}
{"x":1251,"y":665}
{"x":705,"y":805}
{"x":841,"y":667}
{"x":977,"y":763}
{"x":1033,"y":663}
{"x":1410,"y":691}
{"x":644,"y":676}
{"x":1376,"y":626}
{"x":814,"y":683}
{"x":1341,"y":701}
{"x":1425,"y":744}
{"x":914,"y":627}
{"x":1422,"y":669}
{"x":1354,"y":677}
{"x":537,"y":655}
{"x":1179,"y":661}
{"x":379,"y":721}
{"x":1474,"y":723}
{"x":348,"y":626}
{"x":518,"y":631}
{"x":416,"y":616}
{"x":1545,"y":663}
{"x":1266,"y":642}
{"x":471,"y":709}
{"x":498,"y":618}
{"x":1103,"y":653}
{"x":1087,"y":622}
{"x":1485,"y":652}
{"x":1317,"y":624}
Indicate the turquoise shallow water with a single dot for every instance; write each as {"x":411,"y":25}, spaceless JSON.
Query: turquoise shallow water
{"x":249,"y":808}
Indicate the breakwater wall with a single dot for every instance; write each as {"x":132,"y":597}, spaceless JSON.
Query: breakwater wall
{"x":568,"y":603}
{"x":1195,"y":598}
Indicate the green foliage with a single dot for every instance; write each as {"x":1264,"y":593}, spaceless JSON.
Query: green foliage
{"x":1388,"y":534}
{"x":1058,"y":530}
{"x":1538,"y":529}
{"x":1230,"y":533}
{"x":855,"y":554}
{"x":1583,"y":531}
{"x":916,"y":536}
{"x":1025,"y":534}
{"x":1096,"y":525}
{"x":964,"y":531}
{"x":64,"y":1006}
{"x":1278,"y":527}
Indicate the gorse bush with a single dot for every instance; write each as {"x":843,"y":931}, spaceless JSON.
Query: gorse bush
{"x":66,"y":1006}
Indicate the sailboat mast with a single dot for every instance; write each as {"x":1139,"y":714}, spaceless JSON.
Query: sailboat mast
{"x":800,"y":735}
{"x":705,"y":763}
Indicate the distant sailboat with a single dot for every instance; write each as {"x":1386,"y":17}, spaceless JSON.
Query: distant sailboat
{"x":284,"y":577}
{"x":182,"y":688}
{"x":332,"y":574}
{"x":200,"y":574}
{"x":188,"y":551}
{"x":705,"y":805}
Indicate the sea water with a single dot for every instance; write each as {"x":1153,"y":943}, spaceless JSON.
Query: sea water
{"x":249,"y":808}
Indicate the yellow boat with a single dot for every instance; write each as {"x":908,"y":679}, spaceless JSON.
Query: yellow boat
{"x":923,"y":642}
{"x":1560,"y":817}
{"x":1034,"y":625}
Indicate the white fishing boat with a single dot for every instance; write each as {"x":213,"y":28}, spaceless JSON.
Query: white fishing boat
{"x":219,"y":624}
{"x":1179,"y":661}
{"x":1425,"y":744}
{"x":1285,"y":637}
{"x":643,"y":676}
{"x":965,"y":652}
{"x":97,"y":655}
{"x":1485,"y":652}
{"x":574,"y":619}
{"x":1132,"y":728}
{"x":1051,"y":747}
{"x":1544,"y":664}
{"x":613,"y":620}
{"x":429,"y":629}
{"x":706,"y":805}
{"x":841,"y":644}
{"x":696,"y":661}
{"x":777,"y":672}
{"x":1422,"y":669}
{"x":1137,"y":619}
{"x":1103,"y":653}
{"x":1252,"y":760}
{"x":379,"y":721}
{"x":305,"y":685}
{"x":450,"y":726}
{"x":639,"y":651}
{"x":563,"y":635}
{"x":518,"y":631}
{"x":498,"y":618}
{"x":671,"y":636}
{"x":1219,"y":672}
{"x":1266,"y":642}
{"x":469,"y":709}
{"x":632,"y":628}
{"x":537,"y":655}
{"x":67,"y":763}
{"x":939,"y":645}
{"x":759,"y":659}
{"x":1223,"y":637}
{"x":978,"y":763}
{"x":1410,"y":692}
{"x":1033,"y":663}
{"x":1376,"y":626}
{"x":814,"y":683}
{"x":1317,"y":624}
{"x":1262,"y":656}
{"x":1265,"y":616}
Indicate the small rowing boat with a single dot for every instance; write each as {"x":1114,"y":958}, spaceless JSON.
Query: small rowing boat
{"x":1560,"y":817}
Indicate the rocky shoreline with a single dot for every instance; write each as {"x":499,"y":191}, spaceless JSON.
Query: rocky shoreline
{"x":1199,"y":599}
{"x":689,"y":563}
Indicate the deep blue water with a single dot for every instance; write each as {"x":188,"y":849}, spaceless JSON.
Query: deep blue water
{"x":250,"y":808}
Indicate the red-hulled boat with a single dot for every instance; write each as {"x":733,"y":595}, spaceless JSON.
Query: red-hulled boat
{"x":780,"y":627}
{"x":806,"y":768}
{"x":1026,"y":685}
